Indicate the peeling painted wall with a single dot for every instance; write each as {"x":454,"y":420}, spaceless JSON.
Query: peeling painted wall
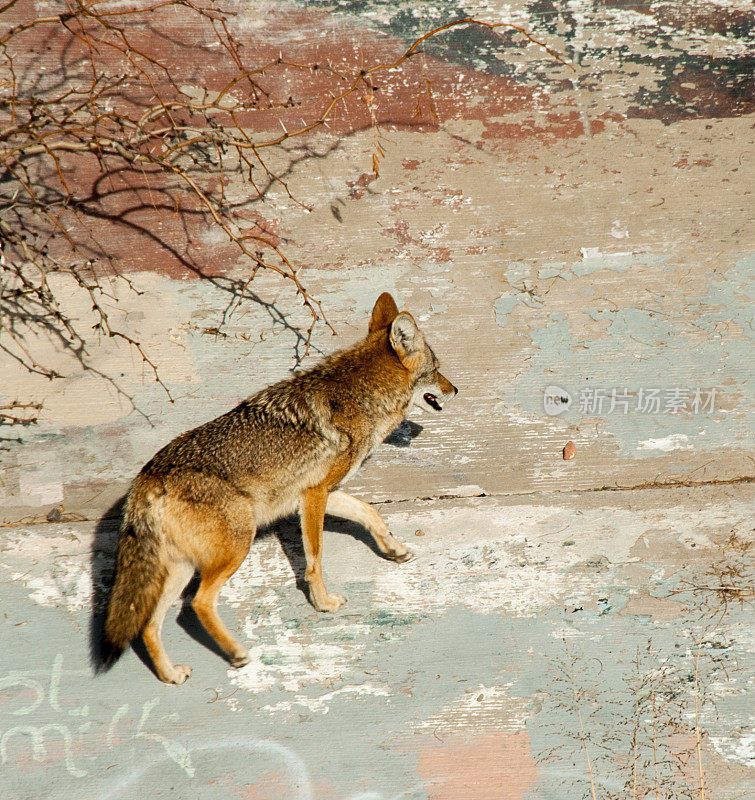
{"x":585,"y":229}
{"x":530,"y":648}
{"x":589,"y":231}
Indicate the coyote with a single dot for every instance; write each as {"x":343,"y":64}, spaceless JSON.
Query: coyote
{"x":197,"y":504}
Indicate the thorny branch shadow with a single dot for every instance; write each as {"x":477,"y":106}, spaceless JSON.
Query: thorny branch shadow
{"x":95,"y":116}
{"x":128,"y":209}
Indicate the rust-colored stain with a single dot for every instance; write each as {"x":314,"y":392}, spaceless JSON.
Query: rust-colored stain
{"x":492,"y":767}
{"x":141,"y":218}
{"x":268,"y":786}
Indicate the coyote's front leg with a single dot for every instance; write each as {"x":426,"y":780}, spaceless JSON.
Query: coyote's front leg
{"x":344,"y":505}
{"x":312,"y":515}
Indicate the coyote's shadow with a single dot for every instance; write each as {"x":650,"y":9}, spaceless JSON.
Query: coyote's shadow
{"x":102,"y":563}
{"x":289,"y":535}
{"x":403,"y":435}
{"x":103,"y":572}
{"x":286,"y":530}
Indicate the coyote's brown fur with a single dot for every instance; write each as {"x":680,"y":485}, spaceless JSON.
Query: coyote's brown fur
{"x":198,"y":503}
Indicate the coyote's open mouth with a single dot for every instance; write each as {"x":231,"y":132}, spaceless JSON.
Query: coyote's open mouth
{"x":432,"y":401}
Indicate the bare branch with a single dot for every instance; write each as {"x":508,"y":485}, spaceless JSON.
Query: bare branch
{"x":116,"y":102}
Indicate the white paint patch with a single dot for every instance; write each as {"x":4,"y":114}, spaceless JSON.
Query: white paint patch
{"x":588,"y":253}
{"x":740,"y":749}
{"x":493,"y":558}
{"x":467,"y":490}
{"x":284,"y":654}
{"x":514,"y":415}
{"x":293,"y":658}
{"x":676,"y":441}
{"x":618,"y":231}
{"x":458,"y":565}
{"x":321,"y":703}
{"x":566,"y":633}
{"x":55,"y":569}
{"x":69,"y":586}
{"x":483,"y":709}
{"x":264,"y":569}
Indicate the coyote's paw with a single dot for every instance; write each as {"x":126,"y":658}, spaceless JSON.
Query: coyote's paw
{"x":179,"y":674}
{"x":240,"y":659}
{"x":400,"y":558}
{"x":330,"y":602}
{"x":397,"y":551}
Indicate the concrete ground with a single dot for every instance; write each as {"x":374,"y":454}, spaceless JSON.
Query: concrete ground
{"x":547,"y":646}
{"x":568,"y":628}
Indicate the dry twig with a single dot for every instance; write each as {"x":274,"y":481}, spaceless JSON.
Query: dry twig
{"x":98,"y":129}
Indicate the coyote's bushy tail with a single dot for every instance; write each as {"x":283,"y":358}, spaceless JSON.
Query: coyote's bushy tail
{"x":140,"y":571}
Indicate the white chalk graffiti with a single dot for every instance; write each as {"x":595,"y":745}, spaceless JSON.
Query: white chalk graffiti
{"x":300,"y":785}
{"x":38,"y":733}
{"x":173,"y":749}
{"x":63,"y":728}
{"x":37,"y":692}
{"x":296,"y":771}
{"x":39,"y":751}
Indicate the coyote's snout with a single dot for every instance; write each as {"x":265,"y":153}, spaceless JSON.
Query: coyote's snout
{"x":197,"y":504}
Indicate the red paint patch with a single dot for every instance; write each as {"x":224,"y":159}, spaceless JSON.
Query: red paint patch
{"x":684,"y":163}
{"x":145,"y":218}
{"x":359,"y":186}
{"x":400,"y":230}
{"x":265,"y":229}
{"x":270,"y":786}
{"x":440,"y":254}
{"x":494,"y":767}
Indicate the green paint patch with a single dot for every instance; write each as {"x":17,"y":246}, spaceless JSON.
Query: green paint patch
{"x":503,"y":306}
{"x":521,"y":278}
{"x":271,"y":658}
{"x":680,"y":355}
{"x":551,"y":271}
{"x":346,"y":636}
{"x":393,"y":619}
{"x":594,"y":261}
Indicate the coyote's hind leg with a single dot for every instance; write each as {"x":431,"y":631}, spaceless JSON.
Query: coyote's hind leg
{"x":230,"y":555}
{"x":179,"y":574}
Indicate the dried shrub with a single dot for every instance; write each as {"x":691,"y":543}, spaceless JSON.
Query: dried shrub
{"x":102,"y":128}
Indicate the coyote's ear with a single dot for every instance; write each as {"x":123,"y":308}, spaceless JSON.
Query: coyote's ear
{"x":384,"y":312}
{"x":404,"y":336}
